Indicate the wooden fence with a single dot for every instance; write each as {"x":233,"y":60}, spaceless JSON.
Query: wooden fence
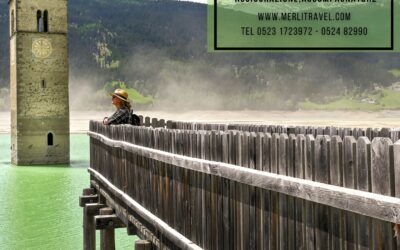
{"x":255,"y":190}
{"x":370,"y":133}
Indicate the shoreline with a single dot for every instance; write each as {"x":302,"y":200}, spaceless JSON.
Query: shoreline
{"x":79,"y":120}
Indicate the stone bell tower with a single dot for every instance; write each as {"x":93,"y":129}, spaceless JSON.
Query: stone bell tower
{"x":39,"y":82}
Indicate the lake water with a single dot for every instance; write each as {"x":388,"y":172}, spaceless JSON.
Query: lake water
{"x":39,"y":206}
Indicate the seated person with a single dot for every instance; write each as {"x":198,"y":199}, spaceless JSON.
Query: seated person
{"x":123,"y":113}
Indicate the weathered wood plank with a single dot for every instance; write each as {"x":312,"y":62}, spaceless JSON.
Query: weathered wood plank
{"x":274,"y":229}
{"x":291,"y":200}
{"x":267,"y":213}
{"x":259,"y":216}
{"x":199,"y":196}
{"x":300,"y":161}
{"x":143,"y":245}
{"x":203,"y":147}
{"x":170,"y":182}
{"x":349,"y":181}
{"x":266,"y":156}
{"x":309,"y":206}
{"x":232,"y":193}
{"x":322,"y":213}
{"x":336,"y":178}
{"x":147,"y":121}
{"x":159,"y":177}
{"x":86,"y":199}
{"x":252,"y":155}
{"x":186,"y":187}
{"x":208,"y":193}
{"x":213,"y":194}
{"x":220,"y":192}
{"x":226,"y":208}
{"x":245,"y":196}
{"x":238,"y":193}
{"x":382,"y":182}
{"x":363,"y":183}
{"x":88,"y":191}
{"x":89,"y":228}
{"x":107,"y":236}
{"x":396,"y":161}
{"x":192,"y":224}
{"x":179,"y":185}
{"x":283,"y":206}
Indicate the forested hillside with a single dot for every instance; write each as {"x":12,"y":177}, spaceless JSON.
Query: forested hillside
{"x":158,"y":48}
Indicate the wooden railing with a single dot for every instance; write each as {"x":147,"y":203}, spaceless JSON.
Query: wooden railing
{"x":252,"y":190}
{"x":370,"y":133}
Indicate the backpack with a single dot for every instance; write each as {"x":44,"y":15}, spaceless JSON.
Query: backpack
{"x":135,"y":121}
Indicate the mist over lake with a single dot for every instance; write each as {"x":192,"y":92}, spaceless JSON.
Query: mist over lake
{"x":79,"y":121}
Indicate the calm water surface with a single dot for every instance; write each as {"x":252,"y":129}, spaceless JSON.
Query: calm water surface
{"x":39,"y":205}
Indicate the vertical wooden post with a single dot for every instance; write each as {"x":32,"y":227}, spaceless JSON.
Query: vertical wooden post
{"x":220,"y":194}
{"x":259,"y":225}
{"x":161,"y":123}
{"x":282,"y":198}
{"x":396,"y":156}
{"x":309,"y":206}
{"x":107,"y":236}
{"x":349,"y":181}
{"x":364,"y":184}
{"x":382,"y":182}
{"x":300,"y":161}
{"x":290,"y":199}
{"x":202,"y":183}
{"x":266,"y":166}
{"x":169,"y":124}
{"x":142,"y":245}
{"x":147,"y":121}
{"x":232,"y":193}
{"x":154,"y":122}
{"x":245,"y":197}
{"x":188,"y":183}
{"x":252,"y":191}
{"x":238,"y":206}
{"x":274,"y":203}
{"x":89,"y":230}
{"x":336,"y":178}
{"x":141,"y":120}
{"x":321,"y":170}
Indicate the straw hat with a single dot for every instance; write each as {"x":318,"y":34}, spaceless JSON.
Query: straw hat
{"x":120,"y":94}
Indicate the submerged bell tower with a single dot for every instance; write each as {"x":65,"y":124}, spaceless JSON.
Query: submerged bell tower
{"x":39,"y":82}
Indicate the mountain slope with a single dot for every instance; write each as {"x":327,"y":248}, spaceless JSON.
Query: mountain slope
{"x":160,"y":49}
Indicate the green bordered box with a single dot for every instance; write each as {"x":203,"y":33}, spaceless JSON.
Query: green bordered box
{"x":303,"y":25}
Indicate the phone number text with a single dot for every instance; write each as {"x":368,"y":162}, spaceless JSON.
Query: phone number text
{"x":304,"y":31}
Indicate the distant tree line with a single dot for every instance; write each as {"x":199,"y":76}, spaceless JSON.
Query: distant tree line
{"x":159,"y":48}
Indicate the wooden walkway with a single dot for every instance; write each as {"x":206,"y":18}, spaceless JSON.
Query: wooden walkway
{"x":215,"y":186}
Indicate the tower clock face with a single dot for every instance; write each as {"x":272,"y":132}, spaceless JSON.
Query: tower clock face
{"x":41,"y":48}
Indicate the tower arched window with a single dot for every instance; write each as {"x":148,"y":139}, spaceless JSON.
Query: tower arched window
{"x":45,"y":21}
{"x":50,"y":139}
{"x":39,"y":22}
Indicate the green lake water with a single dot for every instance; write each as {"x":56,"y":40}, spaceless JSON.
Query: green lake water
{"x":39,"y":206}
